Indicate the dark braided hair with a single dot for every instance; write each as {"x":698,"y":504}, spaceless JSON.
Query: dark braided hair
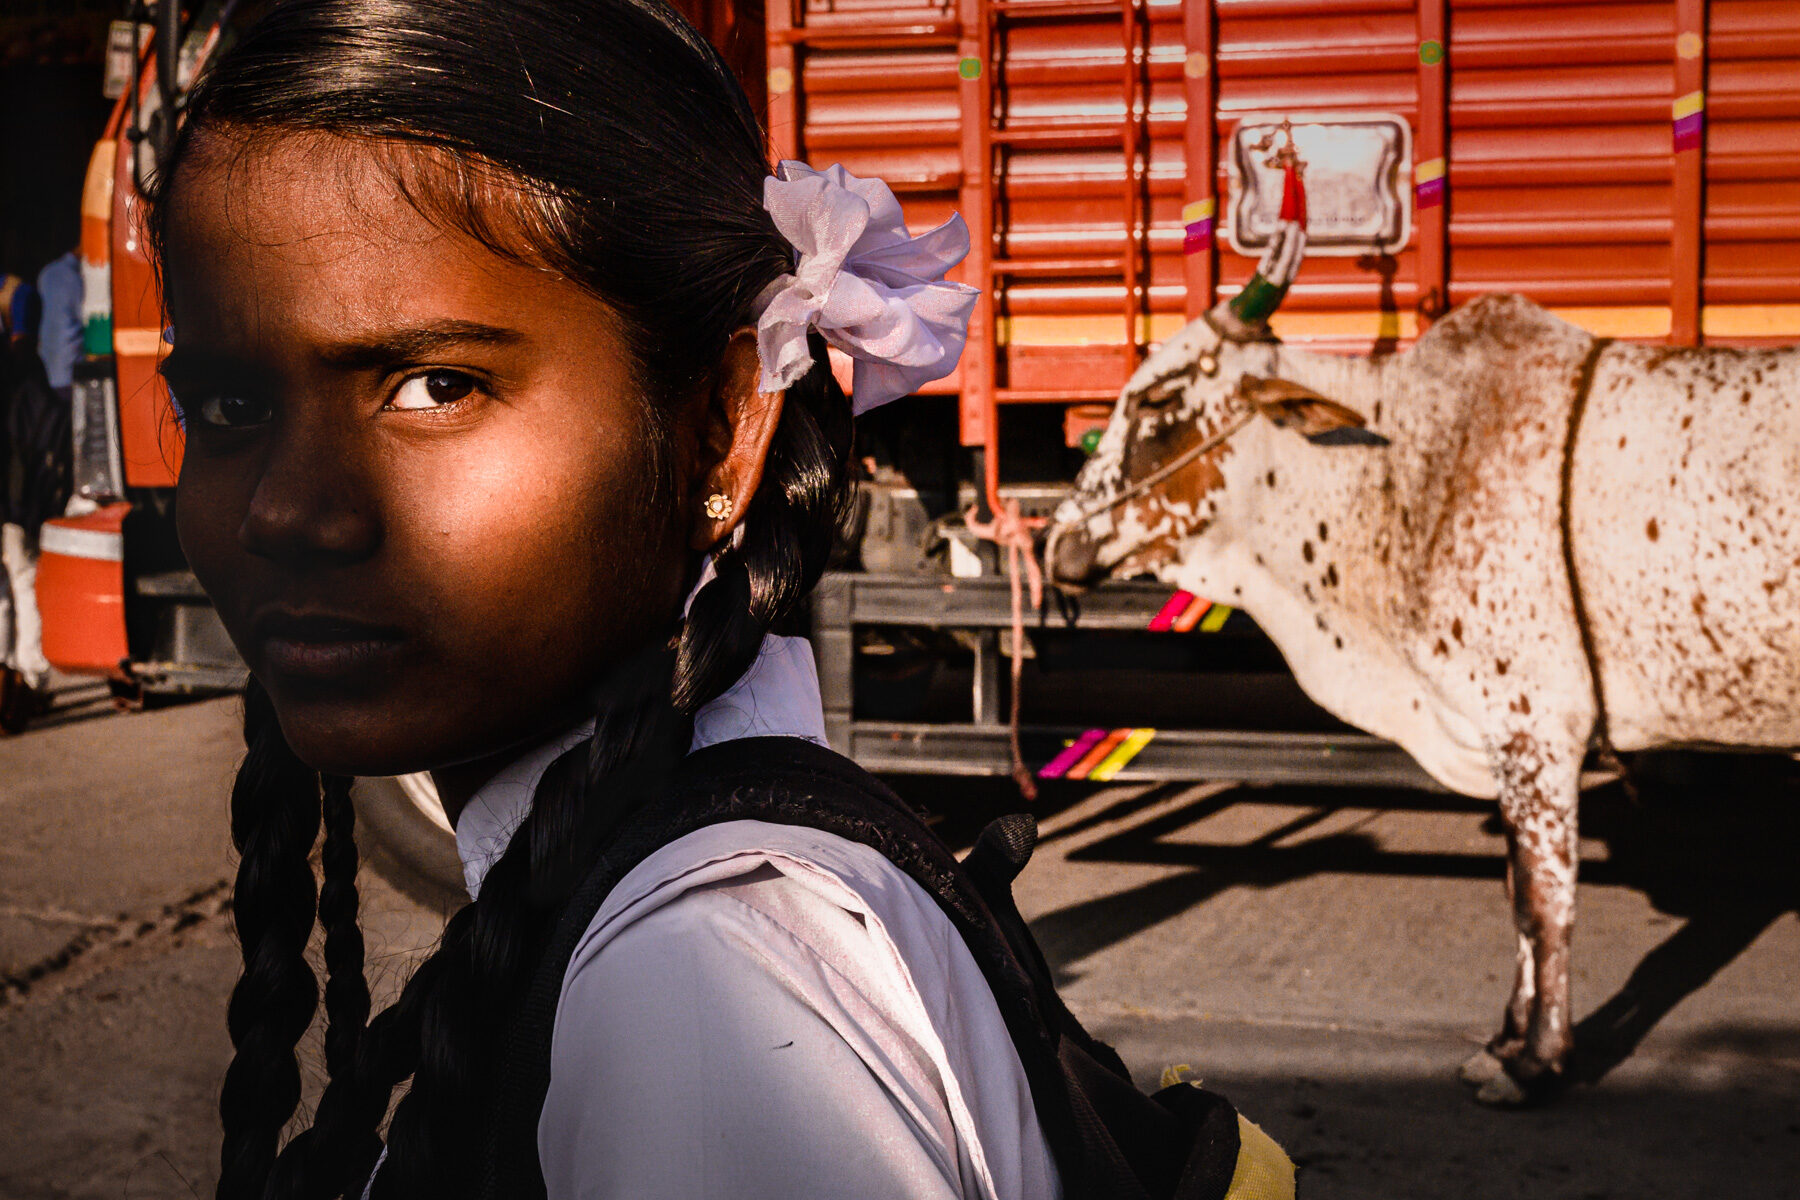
{"x":605,"y":140}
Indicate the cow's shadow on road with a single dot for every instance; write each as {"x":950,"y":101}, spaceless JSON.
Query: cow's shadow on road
{"x":1711,"y":839}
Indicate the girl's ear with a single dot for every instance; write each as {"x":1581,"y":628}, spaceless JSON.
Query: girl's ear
{"x":739,"y":426}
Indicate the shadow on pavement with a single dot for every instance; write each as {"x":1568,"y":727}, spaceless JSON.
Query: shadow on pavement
{"x":1711,"y":838}
{"x":1421,"y":1139}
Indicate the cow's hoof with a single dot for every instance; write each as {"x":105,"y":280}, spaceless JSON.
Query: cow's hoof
{"x":1502,"y":1091}
{"x":1481,"y":1067}
{"x":1523,"y":1081}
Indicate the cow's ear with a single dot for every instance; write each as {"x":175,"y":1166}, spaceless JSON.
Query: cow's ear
{"x":1290,"y":405}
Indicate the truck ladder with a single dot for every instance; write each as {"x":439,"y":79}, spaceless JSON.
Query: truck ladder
{"x":991,"y":137}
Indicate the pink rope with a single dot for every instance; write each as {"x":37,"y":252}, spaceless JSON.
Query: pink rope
{"x":1014,"y":531}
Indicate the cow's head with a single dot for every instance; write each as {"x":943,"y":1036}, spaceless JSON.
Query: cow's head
{"x":1157,"y":477}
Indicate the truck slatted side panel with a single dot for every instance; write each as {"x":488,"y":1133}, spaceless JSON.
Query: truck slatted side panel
{"x":1560,"y":133}
{"x":1561,"y":161}
{"x":1752,"y":267}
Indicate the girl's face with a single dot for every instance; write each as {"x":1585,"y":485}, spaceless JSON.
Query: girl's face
{"x":418,"y":475}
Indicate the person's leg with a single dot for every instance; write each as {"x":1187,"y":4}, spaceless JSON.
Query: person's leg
{"x":28,"y":627}
{"x":8,"y":617}
{"x":16,"y":699}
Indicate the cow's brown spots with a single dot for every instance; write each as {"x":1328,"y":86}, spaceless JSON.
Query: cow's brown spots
{"x":1687,"y":421}
{"x":1500,"y":666}
{"x":1270,"y":479}
{"x":1321,"y":531}
{"x":1522,"y":705}
{"x":1651,"y":530}
{"x":1331,"y":575}
{"x":1456,"y":629}
{"x":1621,"y":441}
{"x":1442,"y":649}
{"x":1337,"y":641}
{"x":1306,"y":551}
{"x":1745,"y":398}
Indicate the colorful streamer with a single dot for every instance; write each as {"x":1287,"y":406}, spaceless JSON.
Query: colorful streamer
{"x":1121,"y":755}
{"x":1167,"y":615}
{"x":1429,"y":182}
{"x":1097,"y":754}
{"x":1198,"y":218}
{"x":1187,"y":620}
{"x":1690,"y":121}
{"x":1073,"y":753}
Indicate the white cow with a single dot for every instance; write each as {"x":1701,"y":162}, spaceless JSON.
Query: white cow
{"x":1555,"y":539}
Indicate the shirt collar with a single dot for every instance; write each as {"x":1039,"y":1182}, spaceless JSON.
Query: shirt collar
{"x":777,"y":697}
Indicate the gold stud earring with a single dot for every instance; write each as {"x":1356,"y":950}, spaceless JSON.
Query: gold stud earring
{"x":719,"y":506}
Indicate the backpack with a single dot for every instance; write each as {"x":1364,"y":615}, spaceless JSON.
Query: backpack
{"x":1108,"y":1138}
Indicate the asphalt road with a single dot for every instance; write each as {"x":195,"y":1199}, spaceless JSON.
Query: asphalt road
{"x":1327,"y":958}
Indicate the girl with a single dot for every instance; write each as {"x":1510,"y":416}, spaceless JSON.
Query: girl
{"x":511,"y":436}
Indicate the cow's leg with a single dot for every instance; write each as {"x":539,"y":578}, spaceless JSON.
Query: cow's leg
{"x":1538,"y":790}
{"x":1490,"y":1061}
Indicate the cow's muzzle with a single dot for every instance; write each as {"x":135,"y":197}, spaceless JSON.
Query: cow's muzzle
{"x":1070,"y":553}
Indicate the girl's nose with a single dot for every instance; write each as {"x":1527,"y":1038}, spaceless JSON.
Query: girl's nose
{"x":310,"y":503}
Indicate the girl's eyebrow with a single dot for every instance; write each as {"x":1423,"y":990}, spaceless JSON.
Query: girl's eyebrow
{"x":402,"y":344}
{"x":410,"y":343}
{"x":186,"y":367}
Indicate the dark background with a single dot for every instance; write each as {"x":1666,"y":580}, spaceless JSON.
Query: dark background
{"x":51,"y":112}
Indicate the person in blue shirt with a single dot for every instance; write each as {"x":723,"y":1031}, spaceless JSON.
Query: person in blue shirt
{"x":59,"y":327}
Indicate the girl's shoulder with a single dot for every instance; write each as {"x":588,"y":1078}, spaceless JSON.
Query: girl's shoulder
{"x":749,"y":931}
{"x":785,"y":891}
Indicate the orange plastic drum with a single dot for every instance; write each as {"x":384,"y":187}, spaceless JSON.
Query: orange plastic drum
{"x":81,"y":591}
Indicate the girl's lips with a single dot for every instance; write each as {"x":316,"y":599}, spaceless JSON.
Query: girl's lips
{"x":323,"y":646}
{"x":326,"y":659}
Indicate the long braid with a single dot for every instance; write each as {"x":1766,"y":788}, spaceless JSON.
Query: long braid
{"x":313,"y":1164}
{"x":346,"y":987}
{"x":275,"y":813}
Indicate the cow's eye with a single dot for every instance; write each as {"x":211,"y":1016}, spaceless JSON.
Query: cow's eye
{"x":1164,"y":389}
{"x":1162,"y":394}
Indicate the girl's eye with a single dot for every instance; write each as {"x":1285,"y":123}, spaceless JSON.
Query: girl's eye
{"x":433,"y":389}
{"x":232,"y":412}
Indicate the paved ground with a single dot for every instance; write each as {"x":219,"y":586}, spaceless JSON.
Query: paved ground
{"x":1325,"y":957}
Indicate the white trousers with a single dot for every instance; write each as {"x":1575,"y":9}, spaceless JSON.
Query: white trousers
{"x":21,"y":629}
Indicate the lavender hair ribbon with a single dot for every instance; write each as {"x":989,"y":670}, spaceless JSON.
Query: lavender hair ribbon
{"x":864,"y":282}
